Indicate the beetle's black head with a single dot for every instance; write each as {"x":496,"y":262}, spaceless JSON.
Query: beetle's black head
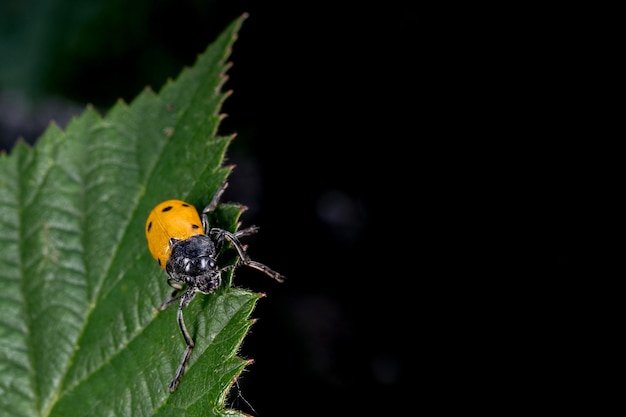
{"x":192,"y":261}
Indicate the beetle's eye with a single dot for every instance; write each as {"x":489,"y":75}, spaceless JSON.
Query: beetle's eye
{"x":207,"y":264}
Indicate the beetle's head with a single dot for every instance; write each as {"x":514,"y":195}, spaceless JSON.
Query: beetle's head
{"x":192,"y":261}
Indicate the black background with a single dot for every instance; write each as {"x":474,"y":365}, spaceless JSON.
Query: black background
{"x":327,"y":119}
{"x":319,"y":88}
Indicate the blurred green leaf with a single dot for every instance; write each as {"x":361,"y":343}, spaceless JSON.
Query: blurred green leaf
{"x":79,"y":333}
{"x":75,"y":49}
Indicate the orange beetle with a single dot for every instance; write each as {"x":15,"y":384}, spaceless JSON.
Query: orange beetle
{"x":184,"y":244}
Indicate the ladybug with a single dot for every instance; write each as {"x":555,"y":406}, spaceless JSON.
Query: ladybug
{"x":184,"y":244}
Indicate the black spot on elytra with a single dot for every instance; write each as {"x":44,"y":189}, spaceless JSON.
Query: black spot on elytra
{"x":185,"y":205}
{"x":168,"y":208}
{"x":160,"y":264}
{"x":195,"y":226}
{"x":149,"y":226}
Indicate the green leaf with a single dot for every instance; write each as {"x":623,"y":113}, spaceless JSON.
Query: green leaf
{"x":79,"y":330}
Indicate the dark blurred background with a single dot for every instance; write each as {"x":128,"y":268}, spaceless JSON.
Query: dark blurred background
{"x":322,"y":107}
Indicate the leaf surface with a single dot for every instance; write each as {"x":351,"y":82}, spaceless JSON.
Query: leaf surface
{"x":79,"y":332}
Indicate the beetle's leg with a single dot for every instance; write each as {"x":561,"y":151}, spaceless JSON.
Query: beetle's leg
{"x":227,"y":268}
{"x":245,"y":259}
{"x":211,"y":206}
{"x":218,"y":235}
{"x":184,"y":300}
{"x":246,"y":232}
{"x":174,"y":296}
